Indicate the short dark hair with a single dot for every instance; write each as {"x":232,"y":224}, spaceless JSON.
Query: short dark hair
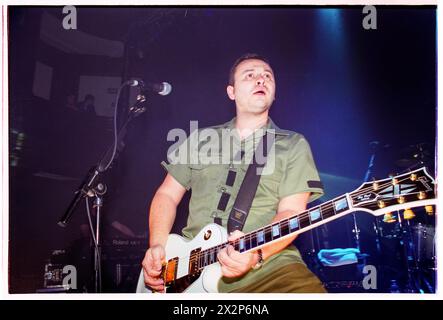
{"x":246,"y":56}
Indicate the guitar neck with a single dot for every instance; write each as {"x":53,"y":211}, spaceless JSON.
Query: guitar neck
{"x":407,"y":190}
{"x":295,"y":224}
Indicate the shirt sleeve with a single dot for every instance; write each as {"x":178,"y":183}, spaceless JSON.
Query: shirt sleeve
{"x":180,"y":172}
{"x":301,"y":173}
{"x":178,"y":162}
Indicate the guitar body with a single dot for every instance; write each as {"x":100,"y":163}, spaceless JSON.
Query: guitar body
{"x":177,"y":247}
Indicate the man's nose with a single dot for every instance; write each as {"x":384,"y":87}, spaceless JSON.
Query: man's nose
{"x":260,"y":80}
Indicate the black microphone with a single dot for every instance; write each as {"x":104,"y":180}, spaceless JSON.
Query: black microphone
{"x":162,"y":89}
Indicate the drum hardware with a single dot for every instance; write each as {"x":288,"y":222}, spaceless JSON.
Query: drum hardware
{"x":429,"y":210}
{"x":417,"y":243}
{"x":414,"y":156}
{"x":408,"y":214}
{"x":389,"y":218}
{"x":396,"y":226}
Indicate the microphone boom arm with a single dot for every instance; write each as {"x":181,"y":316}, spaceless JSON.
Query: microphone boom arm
{"x":88,"y":183}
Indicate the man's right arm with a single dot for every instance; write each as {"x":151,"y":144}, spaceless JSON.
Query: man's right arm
{"x":161,"y":219}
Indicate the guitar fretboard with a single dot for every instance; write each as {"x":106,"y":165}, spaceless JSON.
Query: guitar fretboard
{"x":300,"y":222}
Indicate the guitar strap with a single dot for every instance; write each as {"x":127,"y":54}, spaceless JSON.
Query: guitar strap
{"x":248,"y":188}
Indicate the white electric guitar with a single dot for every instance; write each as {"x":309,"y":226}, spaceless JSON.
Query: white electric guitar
{"x":191,"y":266}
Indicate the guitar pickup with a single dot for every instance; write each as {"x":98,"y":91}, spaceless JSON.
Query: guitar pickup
{"x":169,"y":271}
{"x":194,"y":262}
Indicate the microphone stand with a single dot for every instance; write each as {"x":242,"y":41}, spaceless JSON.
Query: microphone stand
{"x":92,"y":187}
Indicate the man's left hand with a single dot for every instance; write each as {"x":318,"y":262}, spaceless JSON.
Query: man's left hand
{"x":233,"y":263}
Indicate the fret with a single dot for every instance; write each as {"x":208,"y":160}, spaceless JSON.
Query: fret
{"x":326,"y":210}
{"x":293,"y":224}
{"x":212,"y":257}
{"x":253,"y":240}
{"x":268,"y":235}
{"x":215,"y":253}
{"x":241,"y":245}
{"x":284,"y":227}
{"x":304,"y":222}
{"x":260,"y":237}
{"x":315,"y":215}
{"x":341,"y":205}
{"x":248,"y":243}
{"x":275,"y":231}
{"x":333,"y":208}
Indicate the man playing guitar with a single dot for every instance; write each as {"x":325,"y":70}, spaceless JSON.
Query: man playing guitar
{"x":283,"y":192}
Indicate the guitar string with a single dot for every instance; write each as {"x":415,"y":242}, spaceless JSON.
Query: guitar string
{"x":285,"y":222}
{"x":306,"y":214}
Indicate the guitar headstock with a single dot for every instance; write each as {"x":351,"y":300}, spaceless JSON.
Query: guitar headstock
{"x":404,"y":191}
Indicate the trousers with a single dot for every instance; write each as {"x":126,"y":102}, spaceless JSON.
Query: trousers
{"x":291,"y":278}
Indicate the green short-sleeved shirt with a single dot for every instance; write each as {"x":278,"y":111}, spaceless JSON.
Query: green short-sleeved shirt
{"x":290,"y":169}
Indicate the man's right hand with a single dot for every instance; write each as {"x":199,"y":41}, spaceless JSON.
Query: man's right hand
{"x":152,"y":267}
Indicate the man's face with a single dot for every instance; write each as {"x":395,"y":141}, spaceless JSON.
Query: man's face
{"x":254,"y":87}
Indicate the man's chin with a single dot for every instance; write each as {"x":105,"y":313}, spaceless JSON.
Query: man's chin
{"x":259,"y":109}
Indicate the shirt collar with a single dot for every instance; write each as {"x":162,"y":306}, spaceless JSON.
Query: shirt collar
{"x":270,"y":127}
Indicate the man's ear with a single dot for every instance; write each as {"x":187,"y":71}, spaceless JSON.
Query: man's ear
{"x":230,"y":92}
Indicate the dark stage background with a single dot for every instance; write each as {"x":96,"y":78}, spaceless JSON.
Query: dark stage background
{"x":340,"y":85}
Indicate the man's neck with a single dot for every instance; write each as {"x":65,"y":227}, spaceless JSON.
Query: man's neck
{"x":246,"y":125}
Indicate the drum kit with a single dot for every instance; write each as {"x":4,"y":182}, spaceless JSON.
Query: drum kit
{"x":411,"y":245}
{"x":412,"y":235}
{"x":400,"y":244}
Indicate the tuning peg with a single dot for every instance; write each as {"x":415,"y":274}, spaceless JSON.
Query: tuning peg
{"x":381,"y":204}
{"x":413,"y":177}
{"x":388,"y":218}
{"x":408,"y":214}
{"x":429,"y":210}
{"x":421,"y":195}
{"x":401,"y":200}
{"x":374,"y":184}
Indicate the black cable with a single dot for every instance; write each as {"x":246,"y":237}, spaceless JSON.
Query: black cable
{"x":115,"y":128}
{"x":97,"y":260}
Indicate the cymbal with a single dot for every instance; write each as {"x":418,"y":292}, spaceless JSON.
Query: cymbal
{"x":406,"y":163}
{"x":417,"y":149}
{"x":414,"y":155}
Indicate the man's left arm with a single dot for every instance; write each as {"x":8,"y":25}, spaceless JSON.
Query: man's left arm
{"x":235,"y":264}
{"x":288,"y":206}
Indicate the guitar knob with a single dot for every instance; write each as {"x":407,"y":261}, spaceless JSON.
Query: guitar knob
{"x":408,"y":214}
{"x":388,"y":218}
{"x":429,"y":210}
{"x":421,"y":195}
{"x":207,"y":234}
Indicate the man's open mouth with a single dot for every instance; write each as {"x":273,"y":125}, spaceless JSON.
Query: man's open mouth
{"x":260,"y":92}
